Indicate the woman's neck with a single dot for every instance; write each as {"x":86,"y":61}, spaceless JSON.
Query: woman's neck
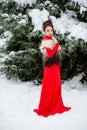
{"x":47,"y":37}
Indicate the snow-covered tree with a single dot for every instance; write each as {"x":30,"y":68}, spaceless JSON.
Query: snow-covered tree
{"x":22,"y":56}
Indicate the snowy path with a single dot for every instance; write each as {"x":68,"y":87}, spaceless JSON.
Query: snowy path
{"x":17,"y":101}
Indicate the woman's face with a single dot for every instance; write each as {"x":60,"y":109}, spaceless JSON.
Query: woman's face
{"x":48,"y":31}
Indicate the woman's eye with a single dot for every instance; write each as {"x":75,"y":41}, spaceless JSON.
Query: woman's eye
{"x":47,"y":30}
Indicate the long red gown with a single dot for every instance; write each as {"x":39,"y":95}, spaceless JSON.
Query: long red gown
{"x":51,"y":93}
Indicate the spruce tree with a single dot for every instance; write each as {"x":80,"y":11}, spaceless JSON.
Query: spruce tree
{"x":21,"y":57}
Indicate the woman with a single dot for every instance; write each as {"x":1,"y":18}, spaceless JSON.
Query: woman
{"x":51,"y":94}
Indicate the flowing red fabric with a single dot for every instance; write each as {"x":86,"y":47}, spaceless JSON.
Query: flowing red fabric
{"x":51,"y":94}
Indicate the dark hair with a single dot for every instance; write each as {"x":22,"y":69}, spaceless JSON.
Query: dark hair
{"x":48,"y":23}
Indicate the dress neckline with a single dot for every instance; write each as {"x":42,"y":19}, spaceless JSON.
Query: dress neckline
{"x":47,"y":37}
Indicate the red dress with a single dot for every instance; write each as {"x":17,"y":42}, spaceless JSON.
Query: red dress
{"x":51,"y":93}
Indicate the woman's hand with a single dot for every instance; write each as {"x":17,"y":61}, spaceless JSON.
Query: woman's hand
{"x":54,"y":39}
{"x":59,"y":48}
{"x":52,"y":44}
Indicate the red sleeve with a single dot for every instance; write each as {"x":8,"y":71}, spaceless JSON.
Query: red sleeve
{"x":51,"y":52}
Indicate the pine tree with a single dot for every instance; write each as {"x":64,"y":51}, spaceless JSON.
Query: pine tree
{"x":23,"y":57}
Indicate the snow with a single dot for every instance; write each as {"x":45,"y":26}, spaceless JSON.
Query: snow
{"x":63,"y":24}
{"x":83,"y":5}
{"x":23,"y":21}
{"x":26,"y":1}
{"x":22,"y":1}
{"x":66,"y":23}
{"x":82,"y":9}
{"x":7,"y":35}
{"x":2,"y":42}
{"x":81,"y":2}
{"x":38,"y":17}
{"x":18,"y":99}
{"x":79,"y":31}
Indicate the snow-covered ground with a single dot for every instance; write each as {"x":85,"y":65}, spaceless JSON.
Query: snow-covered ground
{"x":18,"y":99}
